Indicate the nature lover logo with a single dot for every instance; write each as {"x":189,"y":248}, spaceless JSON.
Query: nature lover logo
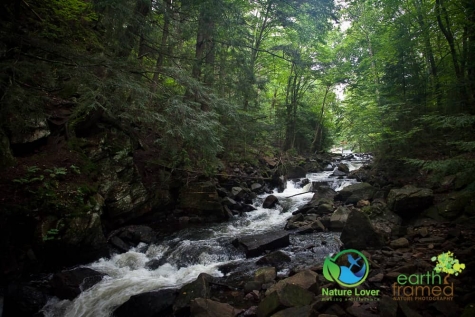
{"x":349,"y":268}
{"x":350,"y":275}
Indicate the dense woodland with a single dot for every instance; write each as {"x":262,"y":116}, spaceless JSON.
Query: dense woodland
{"x":203,"y":79}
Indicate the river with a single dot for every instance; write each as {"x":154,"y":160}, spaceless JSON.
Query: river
{"x":189,"y":252}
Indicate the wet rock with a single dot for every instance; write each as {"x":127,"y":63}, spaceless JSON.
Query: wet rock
{"x":136,"y":234}
{"x":265,"y":275}
{"x":270,"y":202}
{"x":359,"y":233}
{"x":255,"y":245}
{"x":305,"y":279}
{"x":119,"y":244}
{"x":407,"y":200}
{"x":296,"y":172}
{"x":399,"y":243}
{"x":337,"y":172}
{"x":289,"y":296}
{"x":356,"y":192}
{"x":201,"y":199}
{"x":150,"y":304}
{"x":201,"y":307}
{"x":69,"y":284}
{"x":339,"y":218}
{"x":276,"y":258}
{"x":197,"y":289}
{"x":23,"y":300}
{"x":343,"y":168}
{"x":229,"y":202}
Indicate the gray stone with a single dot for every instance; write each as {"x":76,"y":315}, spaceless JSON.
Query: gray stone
{"x":356,"y":192}
{"x":339,"y":218}
{"x":265,"y":275}
{"x":359,"y":233}
{"x":270,"y":202}
{"x":407,"y":200}
{"x":255,"y":245}
{"x":150,"y":304}
{"x":289,"y":296}
{"x":197,"y":289}
{"x":399,"y":243}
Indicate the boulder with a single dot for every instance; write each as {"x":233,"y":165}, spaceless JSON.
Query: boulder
{"x":456,"y":204}
{"x":69,"y":284}
{"x":150,"y":304}
{"x":407,"y":200}
{"x":136,"y":234}
{"x":265,"y":275}
{"x":33,"y":129}
{"x":255,"y":245}
{"x":276,"y":258}
{"x":23,"y":300}
{"x":201,"y":199}
{"x":343,"y":168}
{"x":199,"y":288}
{"x":339,"y":218}
{"x":289,"y":296}
{"x":270,"y":202}
{"x":256,"y":187}
{"x":296,"y":172}
{"x":305,"y":279}
{"x":356,"y":192}
{"x":359,"y":233}
{"x":201,"y":307}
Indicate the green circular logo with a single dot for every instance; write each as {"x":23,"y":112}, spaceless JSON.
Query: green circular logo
{"x":353,"y":271}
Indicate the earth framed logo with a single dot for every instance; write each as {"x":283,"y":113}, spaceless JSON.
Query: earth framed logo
{"x":347,"y":276}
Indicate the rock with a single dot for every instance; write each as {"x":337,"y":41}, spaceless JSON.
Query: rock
{"x":324,"y":209}
{"x":197,"y":289}
{"x":432,"y":240}
{"x":468,"y":311}
{"x":255,"y":245}
{"x":270,"y":202}
{"x":296,"y":172}
{"x":136,"y":234}
{"x":337,"y":172}
{"x":33,"y":129}
{"x":69,"y":284}
{"x":289,"y":296}
{"x":276,"y":258}
{"x":387,"y":307}
{"x":279,"y":182}
{"x":455,"y":204}
{"x":250,"y":312}
{"x":356,"y":192}
{"x":201,"y":307}
{"x":407,"y":200}
{"x":377,"y":278}
{"x":119,"y":244}
{"x":362,"y":203}
{"x":23,"y":300}
{"x":339,"y":218}
{"x":150,"y":304}
{"x":251,"y":286}
{"x":305,"y":279}
{"x":359,"y":233}
{"x":265,"y":275}
{"x":256,"y":187}
{"x":237,"y":193}
{"x":229,"y":202}
{"x":399,"y":243}
{"x":201,"y":199}
{"x":302,"y":311}
{"x":343,"y":168}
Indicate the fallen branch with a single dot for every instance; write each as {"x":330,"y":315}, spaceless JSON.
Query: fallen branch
{"x":310,"y":191}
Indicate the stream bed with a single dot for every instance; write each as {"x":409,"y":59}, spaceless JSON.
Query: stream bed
{"x":189,"y":252}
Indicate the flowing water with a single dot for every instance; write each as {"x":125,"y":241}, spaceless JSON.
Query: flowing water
{"x":189,"y":252}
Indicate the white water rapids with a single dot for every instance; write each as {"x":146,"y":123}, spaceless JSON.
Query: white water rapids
{"x":192,"y":251}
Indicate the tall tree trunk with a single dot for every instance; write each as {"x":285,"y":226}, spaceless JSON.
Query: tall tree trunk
{"x":318,"y":126}
{"x":163,"y":44}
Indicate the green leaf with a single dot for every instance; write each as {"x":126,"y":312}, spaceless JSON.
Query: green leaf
{"x":331,"y":270}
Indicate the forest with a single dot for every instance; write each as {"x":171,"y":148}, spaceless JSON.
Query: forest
{"x":126,"y":119}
